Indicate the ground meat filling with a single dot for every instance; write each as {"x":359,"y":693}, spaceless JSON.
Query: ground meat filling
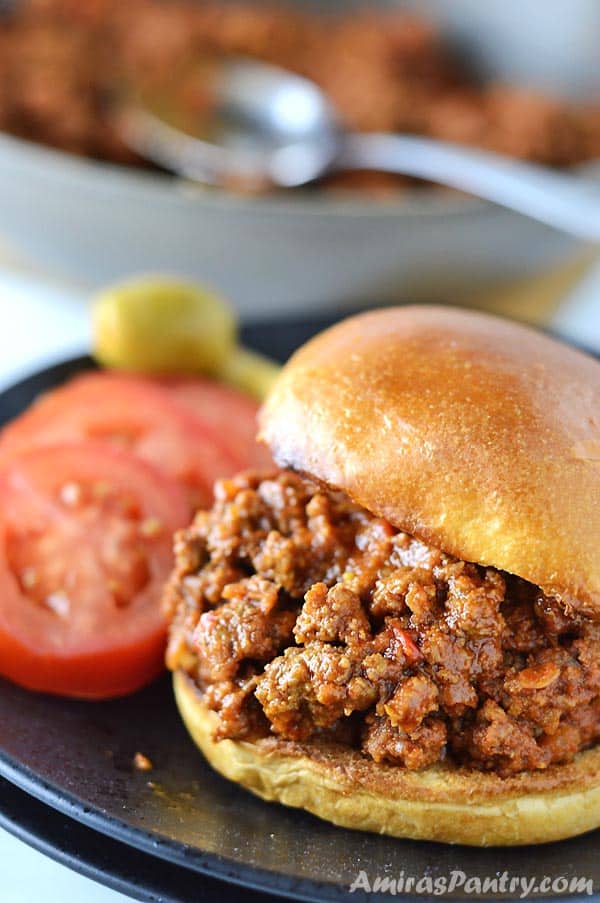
{"x":300,"y":614}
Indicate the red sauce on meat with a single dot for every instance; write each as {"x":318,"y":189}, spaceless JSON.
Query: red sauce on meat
{"x":301,"y":614}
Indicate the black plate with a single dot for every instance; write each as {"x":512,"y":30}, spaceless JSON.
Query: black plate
{"x":77,"y":758}
{"x":125,"y":869}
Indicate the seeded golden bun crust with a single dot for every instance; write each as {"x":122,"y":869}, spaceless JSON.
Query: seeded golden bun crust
{"x":447,"y":804}
{"x":477,"y":435}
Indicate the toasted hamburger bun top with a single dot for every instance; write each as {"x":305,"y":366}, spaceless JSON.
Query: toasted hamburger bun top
{"x":477,"y":435}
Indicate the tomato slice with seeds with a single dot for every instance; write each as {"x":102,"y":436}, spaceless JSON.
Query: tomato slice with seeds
{"x":230,"y":413}
{"x":85,"y":549}
{"x":130,"y":413}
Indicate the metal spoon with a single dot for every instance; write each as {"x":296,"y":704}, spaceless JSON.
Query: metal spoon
{"x":269,"y":127}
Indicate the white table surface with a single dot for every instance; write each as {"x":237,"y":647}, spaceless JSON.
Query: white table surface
{"x":43,"y":324}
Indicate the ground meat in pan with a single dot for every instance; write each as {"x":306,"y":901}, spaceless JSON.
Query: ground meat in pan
{"x":299,"y":613}
{"x":64,"y":66}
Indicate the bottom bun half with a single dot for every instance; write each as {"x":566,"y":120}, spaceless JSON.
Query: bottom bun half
{"x":444,"y":803}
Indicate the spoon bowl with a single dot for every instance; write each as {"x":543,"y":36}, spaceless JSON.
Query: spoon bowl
{"x":263,"y":127}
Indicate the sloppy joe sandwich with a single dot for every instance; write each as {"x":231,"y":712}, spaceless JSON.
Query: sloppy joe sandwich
{"x":398,"y":627}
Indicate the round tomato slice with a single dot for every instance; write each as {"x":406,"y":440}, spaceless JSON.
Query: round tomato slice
{"x":131,"y":413}
{"x":228,"y":412}
{"x":85,"y":548}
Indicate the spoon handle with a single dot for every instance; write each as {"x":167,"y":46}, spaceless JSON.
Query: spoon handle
{"x":567,"y":202}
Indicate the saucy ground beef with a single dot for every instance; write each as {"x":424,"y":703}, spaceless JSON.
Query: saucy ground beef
{"x":299,"y":613}
{"x":64,"y":65}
